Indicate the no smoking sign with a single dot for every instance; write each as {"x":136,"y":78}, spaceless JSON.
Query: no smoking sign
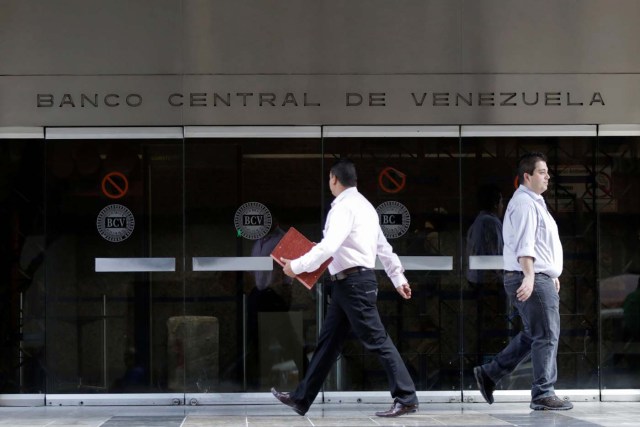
{"x":115,"y":185}
{"x":391,"y":180}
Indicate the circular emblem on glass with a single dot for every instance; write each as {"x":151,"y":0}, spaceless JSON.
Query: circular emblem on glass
{"x":252,"y":220}
{"x":115,"y":223}
{"x":394,"y":219}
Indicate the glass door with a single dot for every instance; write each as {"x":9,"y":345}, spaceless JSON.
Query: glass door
{"x":159,"y":283}
{"x":114,"y":262}
{"x":247,"y":327}
{"x":617,"y":179}
{"x":22,"y":286}
{"x":411,"y":175}
{"x":489,"y":161}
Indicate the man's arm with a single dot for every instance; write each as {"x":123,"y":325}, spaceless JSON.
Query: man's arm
{"x":337,"y":229}
{"x":526,"y":289}
{"x":392,"y":266}
{"x":525,"y":220}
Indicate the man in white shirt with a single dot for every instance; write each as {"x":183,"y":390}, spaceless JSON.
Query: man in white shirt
{"x":532,"y":258}
{"x":352,"y":236}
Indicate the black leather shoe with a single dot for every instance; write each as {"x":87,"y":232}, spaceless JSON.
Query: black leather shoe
{"x":287,"y":400}
{"x":398,"y":409}
{"x":551,"y":403}
{"x":485,"y":384}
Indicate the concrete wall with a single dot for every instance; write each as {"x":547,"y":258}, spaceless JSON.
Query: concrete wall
{"x":563,"y":51}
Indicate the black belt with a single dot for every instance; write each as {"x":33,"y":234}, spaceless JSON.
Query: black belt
{"x":520,"y":272}
{"x":346,"y":272}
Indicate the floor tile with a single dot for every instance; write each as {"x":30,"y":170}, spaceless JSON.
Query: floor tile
{"x":584,"y":414}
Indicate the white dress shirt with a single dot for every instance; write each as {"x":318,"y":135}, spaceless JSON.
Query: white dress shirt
{"x":353,"y":237}
{"x":530,"y":230}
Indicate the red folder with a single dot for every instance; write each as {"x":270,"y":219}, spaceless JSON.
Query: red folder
{"x":293,"y":245}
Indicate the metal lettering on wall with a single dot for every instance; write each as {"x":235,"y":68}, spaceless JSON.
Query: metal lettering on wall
{"x":290,"y":99}
{"x":303,"y":100}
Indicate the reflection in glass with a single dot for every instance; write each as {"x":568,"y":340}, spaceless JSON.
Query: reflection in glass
{"x":617,"y":184}
{"x":266,"y":323}
{"x":490,"y":160}
{"x":22,"y":278}
{"x":425,"y":329}
{"x":214,"y":331}
{"x":484,"y":238}
{"x":108,"y":332}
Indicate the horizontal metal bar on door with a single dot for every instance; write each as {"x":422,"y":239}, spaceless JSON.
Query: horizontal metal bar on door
{"x":115,"y":399}
{"x":256,"y":263}
{"x":423,"y":263}
{"x":122,"y":265}
{"x":266,"y":263}
{"x":486,"y":262}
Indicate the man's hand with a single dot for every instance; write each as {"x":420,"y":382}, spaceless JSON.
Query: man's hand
{"x":287,"y":267}
{"x":526,"y":289}
{"x":404,"y":291}
{"x":556,"y":282}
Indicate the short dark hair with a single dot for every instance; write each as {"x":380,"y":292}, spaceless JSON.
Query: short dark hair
{"x":527,"y":164}
{"x":489,"y":196}
{"x":345,"y":171}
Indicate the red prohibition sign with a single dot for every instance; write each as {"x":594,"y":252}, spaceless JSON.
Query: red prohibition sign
{"x":391,"y":180}
{"x":115,"y":185}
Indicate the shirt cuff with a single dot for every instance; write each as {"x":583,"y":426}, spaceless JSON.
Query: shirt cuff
{"x":398,"y":280}
{"x":295,"y":267}
{"x":528,"y":252}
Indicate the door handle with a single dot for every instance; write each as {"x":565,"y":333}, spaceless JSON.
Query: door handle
{"x":119,"y":265}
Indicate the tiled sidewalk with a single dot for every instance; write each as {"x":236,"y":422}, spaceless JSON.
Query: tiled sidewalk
{"x":344,"y":415}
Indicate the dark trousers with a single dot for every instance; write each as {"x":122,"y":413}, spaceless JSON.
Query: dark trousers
{"x":353,"y":307}
{"x":540,"y":316}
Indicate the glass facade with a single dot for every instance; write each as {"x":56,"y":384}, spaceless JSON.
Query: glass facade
{"x":617,"y":185}
{"x":23,"y":284}
{"x":140,"y":264}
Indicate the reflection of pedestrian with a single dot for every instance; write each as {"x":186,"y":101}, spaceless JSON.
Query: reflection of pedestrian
{"x":532,"y":263}
{"x":485,"y":234}
{"x":352,"y":236}
{"x":263,"y":247}
{"x":631,"y":314}
{"x":271,"y":294}
{"x":484,"y":237}
{"x":134,"y":378}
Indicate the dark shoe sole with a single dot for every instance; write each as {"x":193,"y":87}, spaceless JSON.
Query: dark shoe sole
{"x":538,"y":407}
{"x":290,"y":404}
{"x":387,"y":414}
{"x":298,"y":411}
{"x":477,"y":372}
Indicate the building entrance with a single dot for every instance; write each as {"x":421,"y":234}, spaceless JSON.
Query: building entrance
{"x":140,"y":268}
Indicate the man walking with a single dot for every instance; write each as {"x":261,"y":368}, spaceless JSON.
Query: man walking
{"x":352,"y":236}
{"x":533,"y":263}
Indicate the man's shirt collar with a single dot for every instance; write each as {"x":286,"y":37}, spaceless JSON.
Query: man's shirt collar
{"x":344,"y":194}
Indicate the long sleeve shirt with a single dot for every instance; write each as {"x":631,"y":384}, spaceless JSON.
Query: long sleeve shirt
{"x":530,"y":230}
{"x":353,"y":237}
